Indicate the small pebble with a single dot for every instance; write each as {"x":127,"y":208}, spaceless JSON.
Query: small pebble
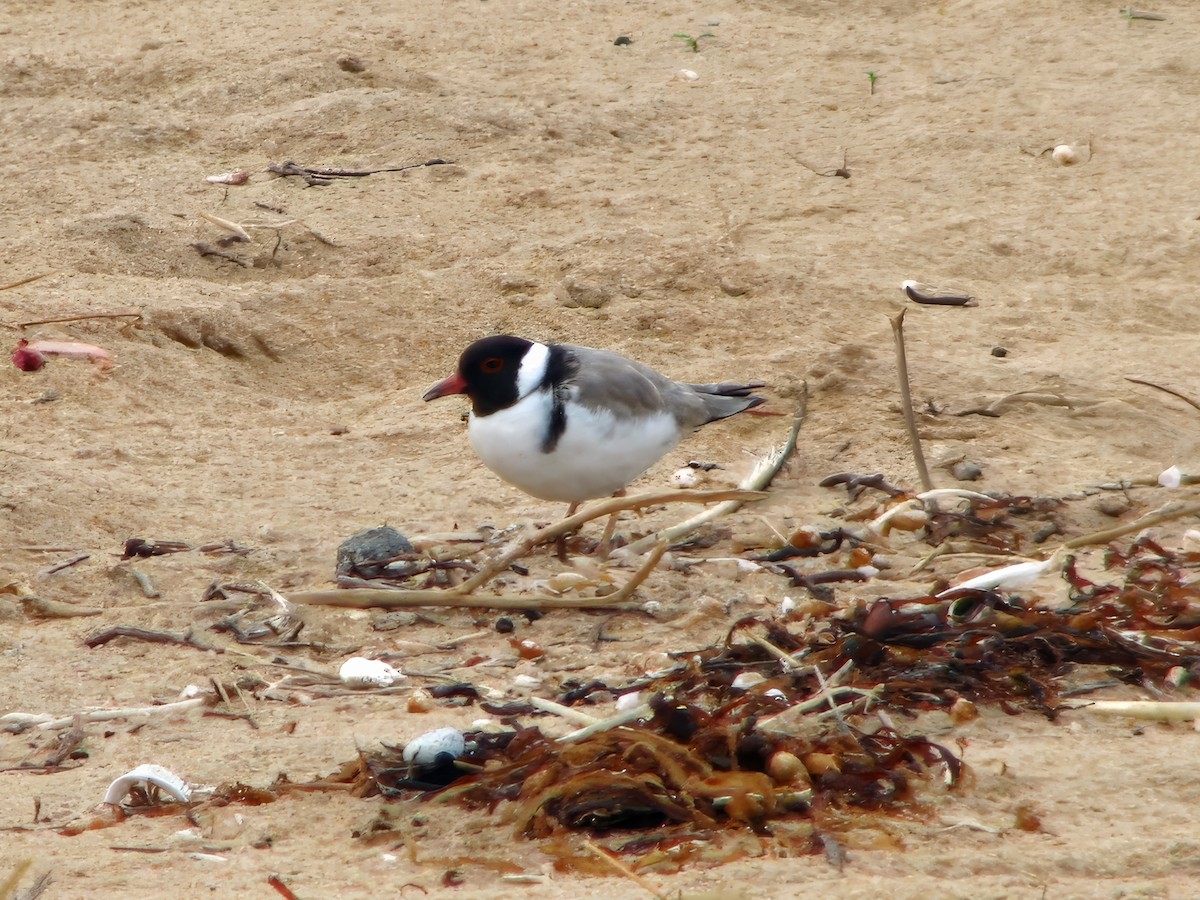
{"x":372,"y":553}
{"x":966,"y":471}
{"x":505,"y":625}
{"x":348,"y":62}
{"x":999,"y":352}
{"x":623,"y":41}
{"x":1113,"y":506}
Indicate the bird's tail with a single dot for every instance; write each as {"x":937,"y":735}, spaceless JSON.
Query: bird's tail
{"x":728,"y":399}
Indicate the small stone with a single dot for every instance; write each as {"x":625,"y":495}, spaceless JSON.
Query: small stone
{"x":373,"y":553}
{"x":966,"y":471}
{"x":999,"y":352}
{"x":623,"y":41}
{"x":733,"y":288}
{"x":573,"y":293}
{"x":1113,"y":506}
{"x":348,"y":62}
{"x":504,"y":625}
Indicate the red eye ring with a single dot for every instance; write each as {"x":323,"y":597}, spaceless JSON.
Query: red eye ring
{"x":492,"y":364}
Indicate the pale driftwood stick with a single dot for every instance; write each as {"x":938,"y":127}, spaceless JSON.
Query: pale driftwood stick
{"x":567,"y":712}
{"x":910,"y":418}
{"x":1165,"y":514}
{"x":1158,"y":710}
{"x":758,"y":480}
{"x":364,"y":598}
{"x":45,"y":722}
{"x":622,"y":869}
{"x":228,"y":226}
{"x":17,"y":284}
{"x":640,"y":575}
{"x":361,"y":598}
{"x":572,"y":523}
{"x":624,"y":718}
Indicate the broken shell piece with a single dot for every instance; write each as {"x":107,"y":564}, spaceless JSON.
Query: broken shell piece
{"x":1191,"y":540}
{"x":240,"y":177}
{"x":425,"y":749}
{"x":1170,"y":478}
{"x":160,"y":777}
{"x":1065,"y":155}
{"x":360,"y":672}
{"x":687,"y":75}
{"x":747,"y":680}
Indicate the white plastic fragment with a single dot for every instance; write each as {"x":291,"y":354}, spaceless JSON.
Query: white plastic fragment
{"x":160,"y":777}
{"x":786,"y":605}
{"x":361,"y":672}
{"x":424,"y":749}
{"x":1170,"y":478}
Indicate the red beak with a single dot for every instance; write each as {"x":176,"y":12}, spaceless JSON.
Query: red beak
{"x":452,"y":385}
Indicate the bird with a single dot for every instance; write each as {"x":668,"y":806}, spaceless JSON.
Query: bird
{"x":569,"y":423}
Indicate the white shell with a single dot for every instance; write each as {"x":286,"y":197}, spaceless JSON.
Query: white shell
{"x":1065,"y":155}
{"x":687,"y":75}
{"x":747,"y":680}
{"x":629,"y":701}
{"x":424,"y":749}
{"x":151,"y":774}
{"x":526,"y":681}
{"x":685,"y":477}
{"x":361,"y":672}
{"x":1170,"y":478}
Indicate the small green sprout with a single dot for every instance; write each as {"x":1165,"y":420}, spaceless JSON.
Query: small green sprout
{"x":693,"y":42}
{"x":871,"y":77}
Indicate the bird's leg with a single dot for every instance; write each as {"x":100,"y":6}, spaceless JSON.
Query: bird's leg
{"x":605,"y":545}
{"x":560,"y":545}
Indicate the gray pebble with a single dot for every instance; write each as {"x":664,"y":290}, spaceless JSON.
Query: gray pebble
{"x":966,"y":471}
{"x":371,"y":553}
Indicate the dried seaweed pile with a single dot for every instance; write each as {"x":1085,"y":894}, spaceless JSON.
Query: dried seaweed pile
{"x":791,"y":721}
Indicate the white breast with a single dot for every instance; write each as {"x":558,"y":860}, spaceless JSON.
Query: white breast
{"x":596,"y":455}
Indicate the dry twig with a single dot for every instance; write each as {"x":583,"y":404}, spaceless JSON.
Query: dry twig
{"x":910,"y":418}
{"x":1174,"y":393}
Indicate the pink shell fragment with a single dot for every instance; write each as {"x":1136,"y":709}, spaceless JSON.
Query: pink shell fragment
{"x":31,"y":355}
{"x":240,"y":177}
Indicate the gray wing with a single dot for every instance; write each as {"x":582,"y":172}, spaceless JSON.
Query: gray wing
{"x":609,"y":380}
